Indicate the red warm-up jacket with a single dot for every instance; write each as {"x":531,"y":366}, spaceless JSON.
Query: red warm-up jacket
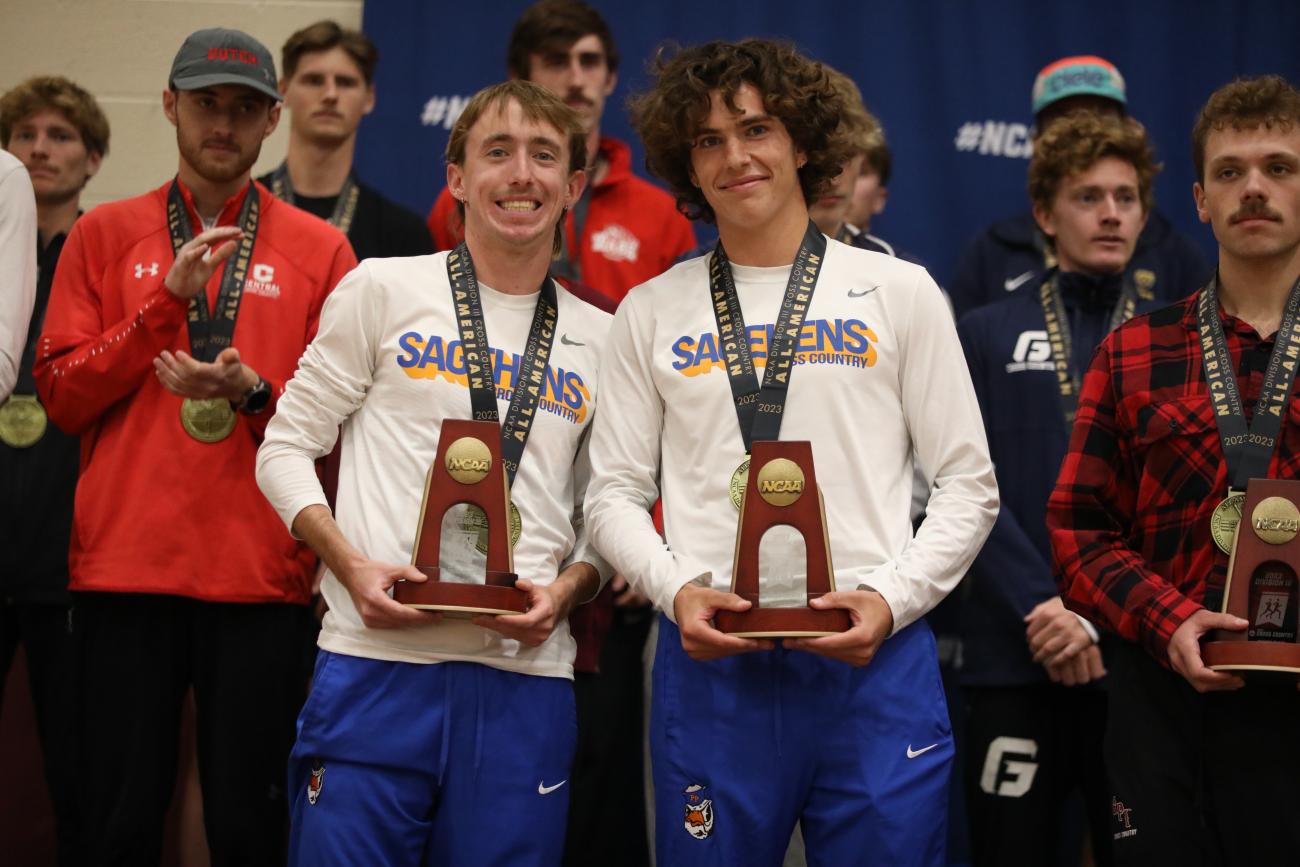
{"x":157,"y":511}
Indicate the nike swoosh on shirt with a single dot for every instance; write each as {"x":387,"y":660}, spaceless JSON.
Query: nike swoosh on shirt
{"x":543,"y":789}
{"x":911,"y":753}
{"x":1011,"y":284}
{"x":853,"y":294}
{"x":564,"y":338}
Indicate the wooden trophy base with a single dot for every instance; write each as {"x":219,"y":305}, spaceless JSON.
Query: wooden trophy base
{"x":1263,"y":586}
{"x":782,"y":491}
{"x":1278,"y":656}
{"x":783,"y":622}
{"x":499,"y":596}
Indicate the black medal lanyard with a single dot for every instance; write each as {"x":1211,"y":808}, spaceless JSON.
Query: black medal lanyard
{"x":211,"y":334}
{"x":527,"y":386}
{"x":759,"y":409}
{"x":1068,"y":380}
{"x":345,"y":204}
{"x":26,"y":384}
{"x":1247,"y":451}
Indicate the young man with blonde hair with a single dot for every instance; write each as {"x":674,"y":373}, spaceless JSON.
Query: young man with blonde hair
{"x":431,"y":739}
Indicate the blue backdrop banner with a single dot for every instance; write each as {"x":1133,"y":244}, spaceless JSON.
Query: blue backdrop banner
{"x":950,"y":80}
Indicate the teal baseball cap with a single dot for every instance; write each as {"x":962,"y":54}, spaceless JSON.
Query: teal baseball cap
{"x":1084,"y":75}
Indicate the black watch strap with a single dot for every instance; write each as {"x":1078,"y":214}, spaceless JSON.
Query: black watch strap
{"x":256,"y":399}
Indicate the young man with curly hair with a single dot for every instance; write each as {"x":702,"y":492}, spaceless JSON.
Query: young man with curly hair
{"x":1031,"y":671}
{"x":847,"y":733}
{"x":1011,"y":251}
{"x":1201,"y":768}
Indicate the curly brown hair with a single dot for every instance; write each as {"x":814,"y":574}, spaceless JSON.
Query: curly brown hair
{"x":795,"y":90}
{"x":55,"y":92}
{"x":1247,"y":103}
{"x":1078,"y":141}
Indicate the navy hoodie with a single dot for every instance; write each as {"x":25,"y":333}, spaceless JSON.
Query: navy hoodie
{"x":1014,"y":375}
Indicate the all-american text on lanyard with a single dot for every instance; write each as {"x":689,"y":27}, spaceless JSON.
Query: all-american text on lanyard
{"x":760,"y":406}
{"x":1247,"y":451}
{"x":468,"y":306}
{"x":345,"y":205}
{"x":213,"y":419}
{"x":1062,"y":345}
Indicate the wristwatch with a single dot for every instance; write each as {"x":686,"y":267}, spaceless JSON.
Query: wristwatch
{"x":256,"y":399}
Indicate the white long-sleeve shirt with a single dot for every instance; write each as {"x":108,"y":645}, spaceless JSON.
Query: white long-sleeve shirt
{"x":878,"y":376}
{"x":387,"y":364}
{"x":17,"y":266}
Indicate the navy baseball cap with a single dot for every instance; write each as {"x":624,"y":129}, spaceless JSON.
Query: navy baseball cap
{"x":219,"y":56}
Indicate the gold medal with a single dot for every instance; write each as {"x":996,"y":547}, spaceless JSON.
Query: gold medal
{"x":22,"y":421}
{"x":208,"y":421}
{"x":1226,"y":517}
{"x":476,"y":522}
{"x":739,"y":479}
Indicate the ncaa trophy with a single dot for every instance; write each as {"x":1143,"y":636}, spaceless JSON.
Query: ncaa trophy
{"x":1262,"y":586}
{"x":467,"y":469}
{"x":782,"y":491}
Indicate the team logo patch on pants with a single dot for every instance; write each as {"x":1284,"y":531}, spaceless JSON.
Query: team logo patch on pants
{"x":316,"y":782}
{"x":699,"y":812}
{"x":1123,"y":816}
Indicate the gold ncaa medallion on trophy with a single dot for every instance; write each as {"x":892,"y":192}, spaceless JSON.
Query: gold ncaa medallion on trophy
{"x":468,"y":470}
{"x":1262,"y":587}
{"x":781,"y":490}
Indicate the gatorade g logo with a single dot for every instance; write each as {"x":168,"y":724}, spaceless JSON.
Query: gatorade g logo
{"x":1032,"y":352}
{"x":1004,"y":775}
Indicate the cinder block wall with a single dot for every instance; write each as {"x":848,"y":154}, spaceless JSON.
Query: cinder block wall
{"x":121,"y":51}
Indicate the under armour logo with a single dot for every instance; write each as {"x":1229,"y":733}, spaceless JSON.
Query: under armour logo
{"x":141,"y":269}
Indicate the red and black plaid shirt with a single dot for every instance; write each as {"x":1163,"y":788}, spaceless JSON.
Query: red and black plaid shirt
{"x":1129,"y":519}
